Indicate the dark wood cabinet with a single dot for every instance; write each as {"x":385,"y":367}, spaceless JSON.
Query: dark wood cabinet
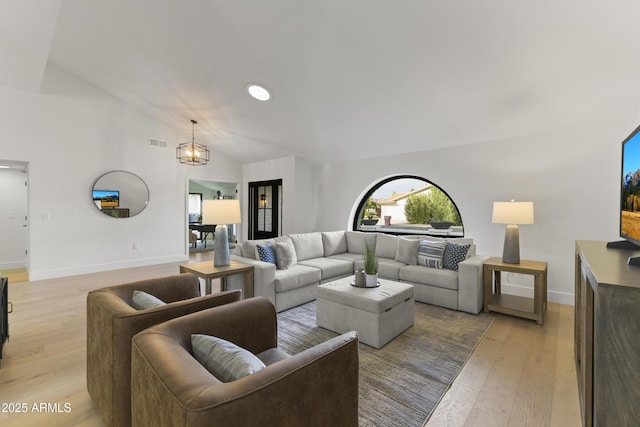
{"x":607,"y":334}
{"x":4,"y":313}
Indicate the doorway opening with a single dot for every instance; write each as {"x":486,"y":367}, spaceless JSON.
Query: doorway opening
{"x":200,"y":236}
{"x":14,"y":221}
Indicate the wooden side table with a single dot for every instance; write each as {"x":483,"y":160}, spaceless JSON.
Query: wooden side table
{"x":208,"y":271}
{"x":514,"y":305}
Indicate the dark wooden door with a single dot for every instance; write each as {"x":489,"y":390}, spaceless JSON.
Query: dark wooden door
{"x":265,"y":209}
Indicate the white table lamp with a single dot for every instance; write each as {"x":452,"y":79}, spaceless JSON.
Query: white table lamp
{"x":512,"y":213}
{"x":221,"y":212}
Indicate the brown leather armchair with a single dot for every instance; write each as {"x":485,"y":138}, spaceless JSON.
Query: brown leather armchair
{"x":112,"y":322}
{"x":169,"y":387}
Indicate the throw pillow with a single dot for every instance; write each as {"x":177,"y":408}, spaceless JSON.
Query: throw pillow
{"x":407,"y":251}
{"x":453,"y":255}
{"x":285,"y":255}
{"x":225,"y":360}
{"x":430,"y":253}
{"x":142,"y":301}
{"x":266,"y":253}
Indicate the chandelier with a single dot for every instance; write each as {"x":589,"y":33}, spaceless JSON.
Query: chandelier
{"x":192,"y":153}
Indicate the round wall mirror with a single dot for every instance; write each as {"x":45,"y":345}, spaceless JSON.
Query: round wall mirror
{"x":120,"y":194}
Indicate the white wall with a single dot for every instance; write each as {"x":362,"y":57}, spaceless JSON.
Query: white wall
{"x":572,"y":178}
{"x":71,"y":133}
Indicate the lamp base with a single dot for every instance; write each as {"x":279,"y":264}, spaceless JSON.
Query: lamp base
{"x":511,"y":251}
{"x":221,"y":246}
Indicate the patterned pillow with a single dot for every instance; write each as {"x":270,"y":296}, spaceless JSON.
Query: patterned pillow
{"x":453,"y":255}
{"x":430,"y":253}
{"x":266,"y":253}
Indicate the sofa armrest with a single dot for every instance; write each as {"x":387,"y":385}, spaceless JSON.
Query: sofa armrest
{"x":470,"y":289}
{"x":317,"y":387}
{"x":264,"y":277}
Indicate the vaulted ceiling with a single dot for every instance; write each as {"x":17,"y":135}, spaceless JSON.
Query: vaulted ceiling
{"x":350,"y":78}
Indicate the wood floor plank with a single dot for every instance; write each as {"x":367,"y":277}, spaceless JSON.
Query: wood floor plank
{"x":508,"y":378}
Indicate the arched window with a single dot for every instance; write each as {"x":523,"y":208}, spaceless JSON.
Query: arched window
{"x":408,"y":204}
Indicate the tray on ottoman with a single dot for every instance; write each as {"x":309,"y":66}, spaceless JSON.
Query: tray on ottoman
{"x":378,"y":314}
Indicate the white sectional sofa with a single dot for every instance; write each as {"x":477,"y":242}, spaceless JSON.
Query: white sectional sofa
{"x":303,"y":261}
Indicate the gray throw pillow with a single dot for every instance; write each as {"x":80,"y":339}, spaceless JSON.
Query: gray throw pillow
{"x":142,"y":301}
{"x":285,"y":255}
{"x":407,"y":251}
{"x":225,"y":360}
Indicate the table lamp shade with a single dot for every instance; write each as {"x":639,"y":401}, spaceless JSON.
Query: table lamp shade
{"x":221,"y":212}
{"x":512,"y":214}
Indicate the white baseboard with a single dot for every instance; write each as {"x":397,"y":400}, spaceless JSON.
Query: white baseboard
{"x":12,"y":265}
{"x":552,"y":296}
{"x":97,"y":268}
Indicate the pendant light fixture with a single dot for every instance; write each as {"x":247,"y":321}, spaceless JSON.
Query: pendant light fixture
{"x":192,"y":153}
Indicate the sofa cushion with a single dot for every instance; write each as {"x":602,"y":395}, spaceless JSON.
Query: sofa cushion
{"x":439,"y":277}
{"x":347,"y":256}
{"x":430,"y":253}
{"x":407,"y":251}
{"x":308,"y":245}
{"x":334,"y":242}
{"x":296,"y":277}
{"x":285,"y":254}
{"x":330,"y":267}
{"x":386,"y":246}
{"x":266,"y":253}
{"x":225,"y":360}
{"x":453,"y":255}
{"x":355,"y":241}
{"x":142,"y":301}
{"x":389,"y":268}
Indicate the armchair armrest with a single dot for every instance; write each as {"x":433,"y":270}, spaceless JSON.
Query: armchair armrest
{"x":470,"y":289}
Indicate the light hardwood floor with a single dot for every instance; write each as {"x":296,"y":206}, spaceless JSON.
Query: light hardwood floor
{"x":521,"y":374}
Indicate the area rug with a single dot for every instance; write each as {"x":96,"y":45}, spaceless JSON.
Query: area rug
{"x":401,"y":383}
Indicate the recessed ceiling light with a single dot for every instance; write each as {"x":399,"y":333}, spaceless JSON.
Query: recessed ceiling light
{"x":4,"y":167}
{"x":258,"y":92}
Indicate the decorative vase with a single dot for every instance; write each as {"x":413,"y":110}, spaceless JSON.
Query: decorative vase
{"x":387,"y":220}
{"x":370,"y":280}
{"x":359,"y":279}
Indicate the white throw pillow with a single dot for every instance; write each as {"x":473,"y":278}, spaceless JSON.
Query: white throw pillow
{"x":225,"y":360}
{"x":142,"y":301}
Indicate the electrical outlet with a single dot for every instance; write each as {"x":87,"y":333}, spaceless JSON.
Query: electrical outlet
{"x":135,"y":246}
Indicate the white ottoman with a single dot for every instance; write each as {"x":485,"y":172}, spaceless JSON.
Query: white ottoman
{"x":378,"y":314}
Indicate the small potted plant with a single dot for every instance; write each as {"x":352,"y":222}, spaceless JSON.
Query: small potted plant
{"x":370,"y":265}
{"x":370,"y":210}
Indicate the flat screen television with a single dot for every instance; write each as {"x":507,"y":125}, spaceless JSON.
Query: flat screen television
{"x":630,"y":196}
{"x":107,"y":198}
